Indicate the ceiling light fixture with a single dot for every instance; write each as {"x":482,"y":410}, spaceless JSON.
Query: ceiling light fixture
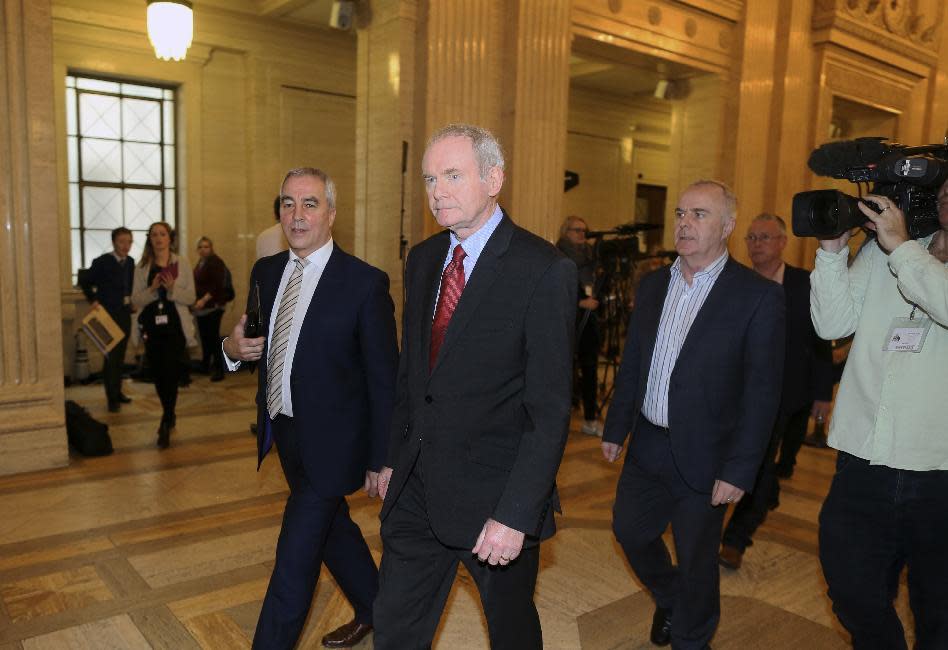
{"x":170,"y":28}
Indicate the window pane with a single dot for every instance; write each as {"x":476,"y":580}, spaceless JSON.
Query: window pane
{"x":168,"y":117}
{"x":138,"y":244}
{"x":99,"y":116}
{"x":73,"y":205}
{"x":72,"y":156}
{"x":97,"y":84}
{"x":142,"y":208}
{"x":76,"y":254}
{"x":101,"y":207}
{"x":97,"y":242}
{"x":101,"y":160}
{"x":170,"y":215}
{"x":169,"y":167}
{"x":142,"y":91}
{"x":70,"y":111}
{"x":141,"y":120}
{"x":142,"y":163}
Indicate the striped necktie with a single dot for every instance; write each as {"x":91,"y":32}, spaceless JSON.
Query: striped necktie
{"x":281,"y":338}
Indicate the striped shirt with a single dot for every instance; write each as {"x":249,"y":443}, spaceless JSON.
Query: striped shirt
{"x":682,"y":304}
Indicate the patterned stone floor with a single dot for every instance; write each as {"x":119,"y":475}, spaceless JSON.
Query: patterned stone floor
{"x":172,"y":549}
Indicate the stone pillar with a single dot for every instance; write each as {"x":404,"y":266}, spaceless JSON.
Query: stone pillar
{"x":32,"y":431}
{"x":385,"y":99}
{"x":537,"y":98}
{"x":496,"y":63}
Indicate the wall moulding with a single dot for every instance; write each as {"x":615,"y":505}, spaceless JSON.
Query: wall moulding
{"x":892,"y":30}
{"x":666,"y":30}
{"x":864,"y":81}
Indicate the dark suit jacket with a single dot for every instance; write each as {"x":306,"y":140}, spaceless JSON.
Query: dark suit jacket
{"x":109,"y":282}
{"x":808,"y":368}
{"x":725,"y":387}
{"x":343,"y":376}
{"x":493,"y":414}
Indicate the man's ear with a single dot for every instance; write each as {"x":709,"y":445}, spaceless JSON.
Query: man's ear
{"x":729,"y":227}
{"x":494,"y":180}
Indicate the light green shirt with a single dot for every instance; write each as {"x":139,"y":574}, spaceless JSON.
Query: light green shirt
{"x":892,"y":407}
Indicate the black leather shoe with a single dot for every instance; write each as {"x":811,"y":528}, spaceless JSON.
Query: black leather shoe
{"x":661,"y":627}
{"x":114,"y":407}
{"x":124,"y":399}
{"x":346,"y":635}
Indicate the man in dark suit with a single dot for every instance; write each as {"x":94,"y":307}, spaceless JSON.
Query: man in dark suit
{"x":326,"y":387}
{"x":807,"y":383}
{"x":108,"y":282}
{"x":482,"y":406}
{"x":697,"y":389}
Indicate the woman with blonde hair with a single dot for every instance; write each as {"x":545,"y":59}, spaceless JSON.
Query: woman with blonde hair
{"x":162,"y":295}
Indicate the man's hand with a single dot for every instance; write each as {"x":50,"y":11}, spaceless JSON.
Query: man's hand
{"x":239,"y":348}
{"x":820,"y":410}
{"x":371,"y":483}
{"x":589,"y":303}
{"x":724,"y":493}
{"x":384,"y":478}
{"x":835,"y":245}
{"x":611,"y":451}
{"x":498,"y":544}
{"x":889,"y":224}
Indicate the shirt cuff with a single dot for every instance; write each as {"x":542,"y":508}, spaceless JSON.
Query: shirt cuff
{"x":839,"y":257}
{"x":231,"y":365}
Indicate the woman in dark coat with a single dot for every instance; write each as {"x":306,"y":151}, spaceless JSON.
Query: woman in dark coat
{"x":212,"y":290}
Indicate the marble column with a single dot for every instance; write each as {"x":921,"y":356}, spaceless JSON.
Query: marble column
{"x":497,"y":63}
{"x":32,"y":430}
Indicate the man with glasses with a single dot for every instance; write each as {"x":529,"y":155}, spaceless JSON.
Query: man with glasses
{"x":698,"y":390}
{"x":807,"y":384}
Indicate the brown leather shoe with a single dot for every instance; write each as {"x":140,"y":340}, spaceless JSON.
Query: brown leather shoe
{"x":346,"y":635}
{"x":730,"y":557}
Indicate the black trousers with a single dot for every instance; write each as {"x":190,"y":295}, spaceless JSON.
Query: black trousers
{"x":751,"y":511}
{"x":651,"y":494}
{"x":209,"y":327}
{"x":164,"y":359}
{"x":875,"y":521}
{"x":316,"y":530}
{"x":112,"y":363}
{"x":417,"y":573}
{"x":792,"y":439}
{"x":587,"y":359}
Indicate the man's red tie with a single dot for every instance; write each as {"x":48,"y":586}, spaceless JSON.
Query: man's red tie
{"x":452,"y":284}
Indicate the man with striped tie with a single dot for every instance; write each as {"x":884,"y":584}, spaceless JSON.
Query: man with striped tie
{"x":327,"y":372}
{"x":698,"y":390}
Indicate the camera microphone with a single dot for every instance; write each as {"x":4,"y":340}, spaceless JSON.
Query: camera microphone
{"x":839,"y":159}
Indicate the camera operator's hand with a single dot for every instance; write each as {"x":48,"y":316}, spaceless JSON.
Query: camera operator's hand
{"x":836,"y":245}
{"x":889,"y":224}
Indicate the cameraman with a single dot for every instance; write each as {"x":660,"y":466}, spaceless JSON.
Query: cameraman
{"x":888,"y":503}
{"x":573,"y":244}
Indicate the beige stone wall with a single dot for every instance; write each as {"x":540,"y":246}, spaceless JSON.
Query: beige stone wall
{"x":256,"y":96}
{"x":614,"y":143}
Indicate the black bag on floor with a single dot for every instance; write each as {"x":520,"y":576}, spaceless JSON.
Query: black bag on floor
{"x":86,"y":435}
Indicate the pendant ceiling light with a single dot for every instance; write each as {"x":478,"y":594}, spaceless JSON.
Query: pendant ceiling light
{"x":170,"y":28}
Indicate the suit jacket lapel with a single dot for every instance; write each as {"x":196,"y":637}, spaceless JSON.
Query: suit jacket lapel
{"x":430,"y":282}
{"x":488,"y":267}
{"x":651,"y":319}
{"x":329,"y":282}
{"x":713,"y":304}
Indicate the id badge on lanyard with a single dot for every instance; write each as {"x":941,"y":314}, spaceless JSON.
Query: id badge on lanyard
{"x":907,"y":334}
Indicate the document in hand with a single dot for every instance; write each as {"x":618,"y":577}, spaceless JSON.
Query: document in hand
{"x":101,"y":329}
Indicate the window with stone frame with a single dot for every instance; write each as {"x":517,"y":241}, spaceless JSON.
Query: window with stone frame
{"x":121,"y":160}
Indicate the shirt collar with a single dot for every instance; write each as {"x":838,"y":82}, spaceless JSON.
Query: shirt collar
{"x":710,"y":273}
{"x":476,"y":242}
{"x":318,"y":258}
